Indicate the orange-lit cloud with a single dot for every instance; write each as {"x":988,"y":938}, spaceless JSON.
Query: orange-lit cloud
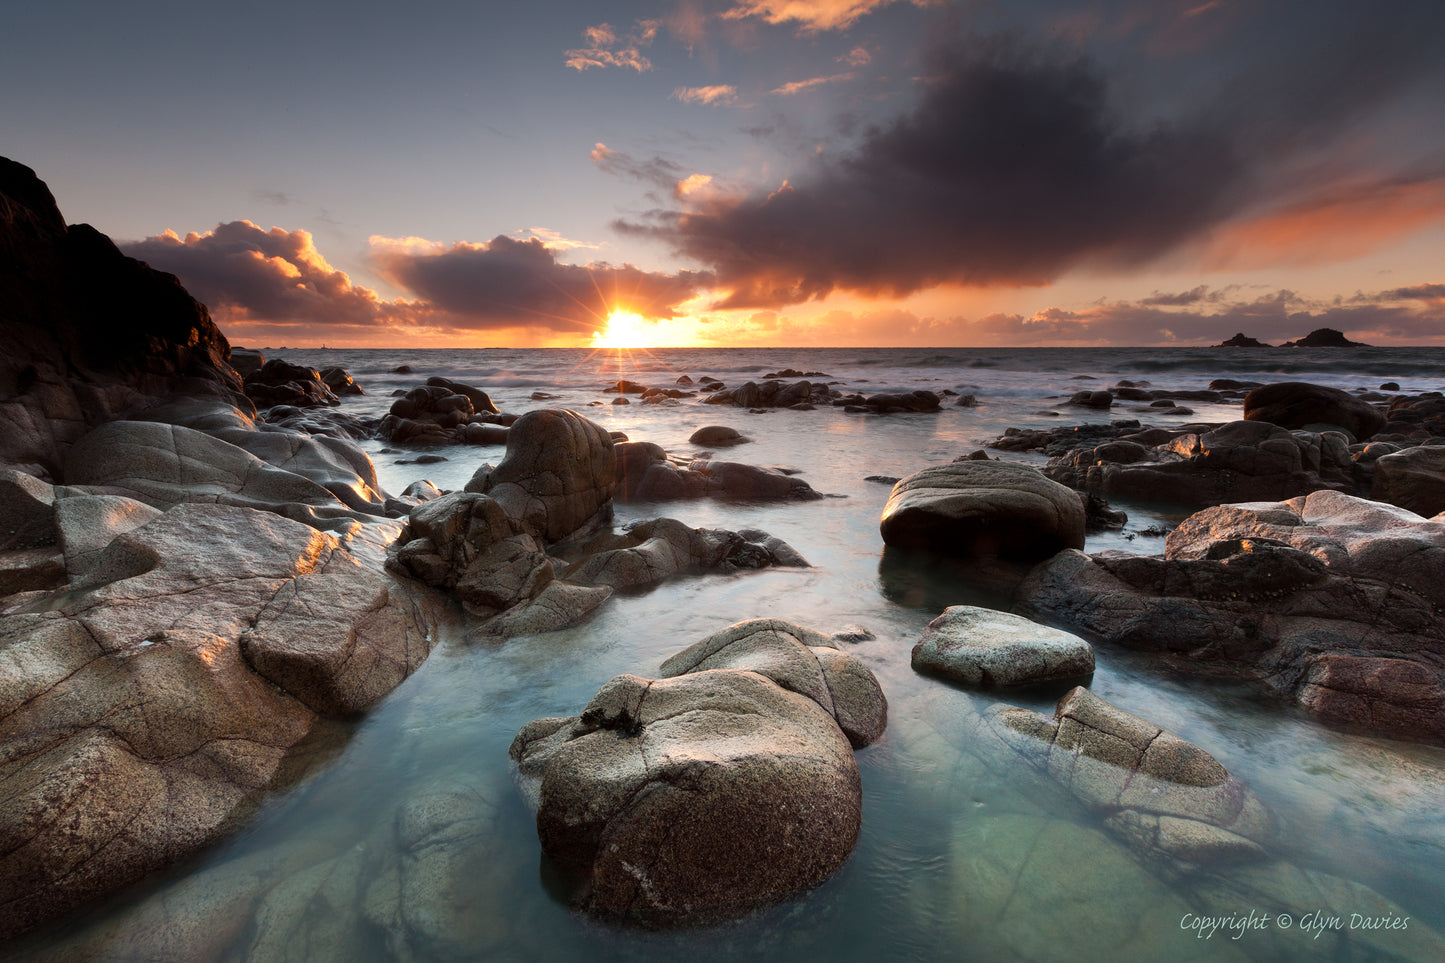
{"x":722,"y":94}
{"x":812,"y":83}
{"x":243,"y":273}
{"x":1344,"y":222}
{"x":604,"y":47}
{"x":812,"y":16}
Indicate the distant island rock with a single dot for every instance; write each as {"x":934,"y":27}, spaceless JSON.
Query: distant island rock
{"x":1241,"y":340}
{"x":1324,"y":338}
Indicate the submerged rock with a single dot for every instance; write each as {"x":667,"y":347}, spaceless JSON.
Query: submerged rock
{"x":1164,"y":796}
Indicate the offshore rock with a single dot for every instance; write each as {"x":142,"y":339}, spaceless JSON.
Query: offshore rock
{"x":88,"y":334}
{"x":641,"y":799}
{"x":1330,"y":599}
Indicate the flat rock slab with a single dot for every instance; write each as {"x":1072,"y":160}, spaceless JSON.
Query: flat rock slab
{"x":984,"y":647}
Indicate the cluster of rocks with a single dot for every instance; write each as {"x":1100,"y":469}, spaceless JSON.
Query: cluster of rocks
{"x":641,"y":799}
{"x":279,"y":382}
{"x":524,"y":546}
{"x":1326,"y":597}
{"x":444,"y":412}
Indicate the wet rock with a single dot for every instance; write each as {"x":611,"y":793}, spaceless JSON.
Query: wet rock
{"x":246,"y":361}
{"x":800,"y":660}
{"x":717,"y":436}
{"x":1162,"y":795}
{"x":769,"y":394}
{"x":557,"y":478}
{"x":280,"y":382}
{"x":751,"y":482}
{"x":481,"y":401}
{"x":1091,"y":399}
{"x":982,"y":647}
{"x":1413,"y":478}
{"x":1297,"y":404}
{"x":1237,"y":461}
{"x":340,"y":382}
{"x":894,"y":402}
{"x":1331,"y":600}
{"x":652,"y":551}
{"x":642,"y":798}
{"x":984,"y":510}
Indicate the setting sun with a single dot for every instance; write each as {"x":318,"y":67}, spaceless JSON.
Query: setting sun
{"x":624,"y":329}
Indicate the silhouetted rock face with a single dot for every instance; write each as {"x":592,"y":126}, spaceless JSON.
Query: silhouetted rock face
{"x":86,"y":333}
{"x":1324,"y":338}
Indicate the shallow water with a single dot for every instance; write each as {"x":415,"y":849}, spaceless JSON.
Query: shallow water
{"x":960,"y":855}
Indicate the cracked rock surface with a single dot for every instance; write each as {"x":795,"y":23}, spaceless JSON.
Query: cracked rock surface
{"x":643,"y":800}
{"x":147,"y":705}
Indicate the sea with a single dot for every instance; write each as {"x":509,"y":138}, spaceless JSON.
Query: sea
{"x":960,"y":857}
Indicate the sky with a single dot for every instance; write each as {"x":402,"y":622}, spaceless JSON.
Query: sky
{"x":754,"y":172}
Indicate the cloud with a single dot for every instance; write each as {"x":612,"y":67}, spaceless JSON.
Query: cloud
{"x":1017,"y":165}
{"x":720,"y":94}
{"x":1193,"y":296}
{"x":276,"y":282}
{"x":506,"y":282}
{"x":243,"y":273}
{"x":605,"y":48}
{"x":812,"y":16}
{"x":1419,"y":292}
{"x":655,"y":170}
{"x":1010,"y":170}
{"x":800,"y":86}
{"x":856,"y":57}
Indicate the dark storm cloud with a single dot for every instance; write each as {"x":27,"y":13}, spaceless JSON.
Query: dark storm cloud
{"x":507,"y":283}
{"x":1418,"y":292}
{"x":1019,"y":163}
{"x":1010,"y":170}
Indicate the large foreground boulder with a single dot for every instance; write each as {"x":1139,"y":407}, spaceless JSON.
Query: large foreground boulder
{"x":1412,"y":479}
{"x":1298,"y":404}
{"x":88,"y":335}
{"x":983,"y":510}
{"x":147,"y":706}
{"x":643,"y":799}
{"x":1329,"y":598}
